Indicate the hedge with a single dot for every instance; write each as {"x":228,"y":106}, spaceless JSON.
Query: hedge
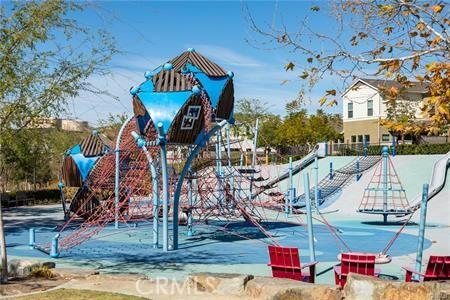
{"x":32,"y":197}
{"x":411,"y":149}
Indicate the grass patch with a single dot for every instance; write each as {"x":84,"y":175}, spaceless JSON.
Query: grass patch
{"x":72,"y":294}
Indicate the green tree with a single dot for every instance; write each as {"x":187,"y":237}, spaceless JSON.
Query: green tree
{"x":246,"y":112}
{"x":294,"y":131}
{"x":323,"y":127}
{"x":268,"y":135}
{"x":45,"y":59}
{"x":110,"y":126}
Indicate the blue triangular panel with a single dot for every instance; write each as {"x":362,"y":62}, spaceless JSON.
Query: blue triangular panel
{"x":213,"y":86}
{"x":163,"y":107}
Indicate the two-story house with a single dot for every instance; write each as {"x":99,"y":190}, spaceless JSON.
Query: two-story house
{"x":364,"y":108}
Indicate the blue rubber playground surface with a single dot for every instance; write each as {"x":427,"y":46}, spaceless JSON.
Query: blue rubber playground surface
{"x":218,"y":246}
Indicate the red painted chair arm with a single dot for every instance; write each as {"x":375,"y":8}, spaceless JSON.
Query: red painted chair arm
{"x":308,"y":265}
{"x":312,"y":270}
{"x":409,"y":272}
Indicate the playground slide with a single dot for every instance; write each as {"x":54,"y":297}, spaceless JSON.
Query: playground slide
{"x":437,"y":181}
{"x":319,"y":150}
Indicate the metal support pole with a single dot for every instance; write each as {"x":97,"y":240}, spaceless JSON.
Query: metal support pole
{"x":316,"y":183}
{"x":165,"y":184}
{"x":312,"y":253}
{"x":227,"y":130}
{"x":331,"y":170}
{"x":190,"y":203}
{"x":385,"y":181}
{"x":219,"y":168}
{"x":423,"y":220}
{"x":155,"y":194}
{"x":288,"y":208}
{"x":365,"y":147}
{"x":54,"y":250}
{"x":394,"y":142}
{"x":255,"y":141}
{"x":357,"y":170}
{"x":230,"y":170}
{"x":63,"y":200}
{"x":32,"y":237}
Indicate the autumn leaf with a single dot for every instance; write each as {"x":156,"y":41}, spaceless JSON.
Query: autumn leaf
{"x":310,"y":59}
{"x":304,"y":75}
{"x":332,"y":103}
{"x":443,"y":110}
{"x":388,"y":30}
{"x":331,"y":92}
{"x":322,"y":101}
{"x":315,"y":8}
{"x":284,"y":82}
{"x":393,"y":91}
{"x":362,"y":35}
{"x":419,"y":78}
{"x":437,"y":8}
{"x":420,"y":26}
{"x":289,"y":66}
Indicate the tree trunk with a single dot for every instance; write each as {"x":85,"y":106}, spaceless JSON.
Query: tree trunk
{"x":4,"y":275}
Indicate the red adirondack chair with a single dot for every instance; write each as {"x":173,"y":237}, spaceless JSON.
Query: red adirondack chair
{"x":360,"y":263}
{"x":285,"y":263}
{"x":438,"y":268}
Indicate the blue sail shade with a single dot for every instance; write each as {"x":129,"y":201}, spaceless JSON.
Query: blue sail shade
{"x":163,"y":107}
{"x":213,"y":86}
{"x":84,"y":164}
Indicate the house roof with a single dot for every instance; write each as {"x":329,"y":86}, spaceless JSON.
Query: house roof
{"x":417,"y":87}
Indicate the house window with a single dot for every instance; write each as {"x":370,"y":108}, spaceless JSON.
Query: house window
{"x":353,"y":138}
{"x":350,"y":110}
{"x":369,"y":108}
{"x":360,"y":138}
{"x":385,"y":137}
{"x":367,"y":138}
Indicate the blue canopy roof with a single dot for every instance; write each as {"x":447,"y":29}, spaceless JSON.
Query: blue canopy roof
{"x":84,"y":164}
{"x":163,"y":107}
{"x":213,"y":86}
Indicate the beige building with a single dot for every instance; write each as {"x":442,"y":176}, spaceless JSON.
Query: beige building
{"x":61,"y":124}
{"x":72,"y":125}
{"x":364,"y":108}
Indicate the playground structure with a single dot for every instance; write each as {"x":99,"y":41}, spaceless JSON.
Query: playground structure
{"x":77,"y":163}
{"x":385,"y":194}
{"x":167,"y":167}
{"x":178,"y":109}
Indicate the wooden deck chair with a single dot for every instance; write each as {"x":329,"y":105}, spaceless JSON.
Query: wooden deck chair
{"x":360,"y":263}
{"x":438,"y":268}
{"x":285,"y":263}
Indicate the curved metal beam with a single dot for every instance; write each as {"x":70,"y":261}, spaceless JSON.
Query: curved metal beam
{"x":117,"y":174}
{"x":176,"y":198}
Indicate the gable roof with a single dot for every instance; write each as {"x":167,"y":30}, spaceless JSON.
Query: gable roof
{"x":378,"y":84}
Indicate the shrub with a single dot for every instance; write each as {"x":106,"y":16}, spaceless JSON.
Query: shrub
{"x":42,"y":272}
